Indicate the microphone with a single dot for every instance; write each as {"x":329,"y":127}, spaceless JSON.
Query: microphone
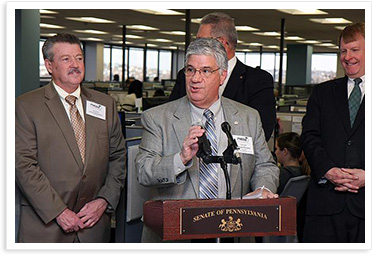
{"x":231,"y":143}
{"x":226,"y":128}
{"x":204,"y":144}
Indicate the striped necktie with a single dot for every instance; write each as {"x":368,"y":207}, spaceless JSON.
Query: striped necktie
{"x":208,"y":181}
{"x":78,"y":125}
{"x":354,"y":100}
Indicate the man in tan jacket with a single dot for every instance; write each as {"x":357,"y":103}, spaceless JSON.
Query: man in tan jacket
{"x":70,"y":176}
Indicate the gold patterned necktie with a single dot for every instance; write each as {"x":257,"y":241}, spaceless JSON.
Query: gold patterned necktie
{"x":78,"y":125}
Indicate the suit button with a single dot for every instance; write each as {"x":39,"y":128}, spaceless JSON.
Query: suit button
{"x":349,"y":143}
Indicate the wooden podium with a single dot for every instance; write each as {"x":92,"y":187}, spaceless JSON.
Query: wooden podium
{"x":198,"y":219}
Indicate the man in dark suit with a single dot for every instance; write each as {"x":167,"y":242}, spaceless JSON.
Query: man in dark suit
{"x":70,"y":154}
{"x":244,"y":84}
{"x":333,"y":138}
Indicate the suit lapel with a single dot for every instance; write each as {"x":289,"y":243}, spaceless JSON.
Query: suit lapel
{"x":89,"y":127}
{"x":235,"y":81}
{"x":57,"y":110}
{"x":181,"y":125}
{"x":360,"y":116}
{"x":342,"y":104}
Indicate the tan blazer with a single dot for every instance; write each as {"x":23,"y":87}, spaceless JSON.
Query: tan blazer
{"x":49,"y":169}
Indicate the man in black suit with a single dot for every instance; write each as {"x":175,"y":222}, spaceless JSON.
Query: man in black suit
{"x":244,"y":84}
{"x":333,"y":139}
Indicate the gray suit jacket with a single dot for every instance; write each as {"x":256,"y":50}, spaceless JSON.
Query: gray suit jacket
{"x":165,"y":128}
{"x":49,"y":169}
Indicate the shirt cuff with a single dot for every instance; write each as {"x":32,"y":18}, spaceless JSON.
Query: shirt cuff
{"x":179,"y":167}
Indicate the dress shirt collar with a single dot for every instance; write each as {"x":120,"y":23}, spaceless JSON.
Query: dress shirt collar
{"x":63,"y":94}
{"x":197,"y":113}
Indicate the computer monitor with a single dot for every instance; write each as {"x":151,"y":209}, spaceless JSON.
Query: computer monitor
{"x":149,"y":102}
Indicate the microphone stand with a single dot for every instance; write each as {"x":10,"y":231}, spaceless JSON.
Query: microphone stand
{"x":228,"y":157}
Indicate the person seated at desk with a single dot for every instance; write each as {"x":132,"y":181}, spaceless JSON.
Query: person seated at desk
{"x":134,"y":92}
{"x":290,"y":156}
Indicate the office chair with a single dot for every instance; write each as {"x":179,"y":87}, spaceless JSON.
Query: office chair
{"x":295,"y":187}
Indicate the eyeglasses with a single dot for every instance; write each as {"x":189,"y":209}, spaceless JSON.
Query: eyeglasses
{"x":204,"y":72}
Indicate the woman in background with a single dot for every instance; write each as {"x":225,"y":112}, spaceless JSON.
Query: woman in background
{"x":134,"y":92}
{"x":290,"y":156}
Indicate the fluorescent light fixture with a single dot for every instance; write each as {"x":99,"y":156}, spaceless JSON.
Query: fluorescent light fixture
{"x":267,"y":33}
{"x":302,"y":11}
{"x":48,"y":35}
{"x":340,"y":27}
{"x":47,"y":17}
{"x":245,"y":50}
{"x":245,"y":28}
{"x":91,"y":31}
{"x":158,"y":12}
{"x":196,"y":21}
{"x":179,"y":43}
{"x":152,"y":45}
{"x":326,"y":44}
{"x":331,"y":21}
{"x":309,"y":42}
{"x":173,"y":32}
{"x":44,"y":25}
{"x":141,"y":27}
{"x":91,"y":20}
{"x":271,"y":47}
{"x":293,"y":38}
{"x":91,"y":39}
{"x":133,"y":37}
{"x":47,"y":12}
{"x":160,"y":40}
{"x":253,"y":44}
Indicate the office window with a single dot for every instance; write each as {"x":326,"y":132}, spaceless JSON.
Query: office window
{"x":165,"y":65}
{"x":136,"y":63}
{"x":42,"y":69}
{"x":252,"y":59}
{"x":323,"y":67}
{"x":106,"y":63}
{"x":240,"y":56}
{"x":268,"y":62}
{"x":277,"y":66}
{"x":117,"y":62}
{"x":151,"y":64}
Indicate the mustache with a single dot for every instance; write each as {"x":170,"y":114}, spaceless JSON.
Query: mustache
{"x":74,"y":69}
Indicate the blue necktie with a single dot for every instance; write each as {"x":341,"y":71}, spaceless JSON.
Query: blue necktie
{"x":354,"y":100}
{"x":208,"y":184}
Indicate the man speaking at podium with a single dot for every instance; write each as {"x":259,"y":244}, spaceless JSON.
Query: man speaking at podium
{"x":167,"y":160}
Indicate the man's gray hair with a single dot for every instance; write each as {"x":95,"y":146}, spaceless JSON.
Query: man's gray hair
{"x":208,"y":47}
{"x":222,"y":25}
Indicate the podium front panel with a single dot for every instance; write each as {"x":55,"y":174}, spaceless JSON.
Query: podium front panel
{"x":197,"y":218}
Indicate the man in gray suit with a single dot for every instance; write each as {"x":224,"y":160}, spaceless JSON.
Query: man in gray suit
{"x":167,"y":154}
{"x":70,"y":155}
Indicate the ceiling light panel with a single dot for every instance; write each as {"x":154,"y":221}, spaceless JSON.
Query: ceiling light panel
{"x":91,"y":31}
{"x":47,"y":12}
{"x":267,"y":33}
{"x":302,"y":11}
{"x":246,"y":28}
{"x":44,"y":25}
{"x":91,"y":20}
{"x":141,"y":27}
{"x":173,"y":32}
{"x":158,"y":11}
{"x":331,"y":21}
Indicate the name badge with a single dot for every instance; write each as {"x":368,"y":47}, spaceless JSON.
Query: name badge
{"x":96,"y":110}
{"x":245,"y":144}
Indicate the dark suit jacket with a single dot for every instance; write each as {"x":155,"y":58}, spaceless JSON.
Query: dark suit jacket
{"x":329,"y":141}
{"x":49,"y":169}
{"x":246,"y":85}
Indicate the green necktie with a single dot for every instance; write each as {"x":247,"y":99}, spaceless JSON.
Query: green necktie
{"x":354,"y":100}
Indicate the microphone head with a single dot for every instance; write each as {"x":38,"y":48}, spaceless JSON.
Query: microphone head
{"x":225,"y":127}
